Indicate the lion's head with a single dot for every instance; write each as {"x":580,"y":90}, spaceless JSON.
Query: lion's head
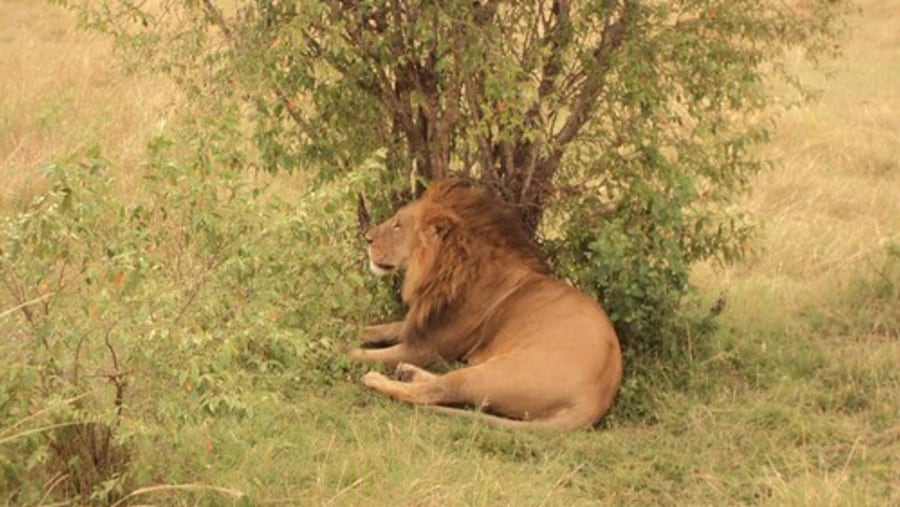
{"x":451,"y":239}
{"x":391,"y":242}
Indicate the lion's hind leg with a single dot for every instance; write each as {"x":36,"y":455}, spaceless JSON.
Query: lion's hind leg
{"x":419,"y":386}
{"x":474,"y":386}
{"x":442,"y":393}
{"x":420,"y":392}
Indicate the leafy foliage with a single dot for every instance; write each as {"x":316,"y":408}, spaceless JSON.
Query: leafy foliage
{"x":201,"y":286}
{"x":620,"y":130}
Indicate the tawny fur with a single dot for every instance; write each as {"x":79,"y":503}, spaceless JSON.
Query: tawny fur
{"x":540,"y":352}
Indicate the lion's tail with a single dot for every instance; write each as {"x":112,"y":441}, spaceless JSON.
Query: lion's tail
{"x":502,"y":422}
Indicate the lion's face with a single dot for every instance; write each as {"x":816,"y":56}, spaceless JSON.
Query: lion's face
{"x":391,"y":242}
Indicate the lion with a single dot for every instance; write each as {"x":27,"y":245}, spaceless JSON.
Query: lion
{"x":539,"y":353}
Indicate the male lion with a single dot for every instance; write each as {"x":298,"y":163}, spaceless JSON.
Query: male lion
{"x":540,"y":353}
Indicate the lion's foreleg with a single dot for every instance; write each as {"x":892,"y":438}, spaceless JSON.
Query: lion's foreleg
{"x":382,"y":334}
{"x":391,"y":356}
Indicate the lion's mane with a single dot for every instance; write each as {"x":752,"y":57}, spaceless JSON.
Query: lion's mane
{"x":466,"y":241}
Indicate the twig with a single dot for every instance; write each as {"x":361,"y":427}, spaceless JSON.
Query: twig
{"x":842,"y":477}
{"x":349,"y":487}
{"x":77,"y":361}
{"x":180,"y":487}
{"x":198,"y":284}
{"x":219,"y":20}
{"x":49,"y":488}
{"x":26,"y":304}
{"x":37,"y":430}
{"x":41,"y":411}
{"x":116,"y":378}
{"x":559,"y":482}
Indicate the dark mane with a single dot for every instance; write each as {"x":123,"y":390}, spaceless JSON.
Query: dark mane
{"x":487,"y":220}
{"x":481,"y":243}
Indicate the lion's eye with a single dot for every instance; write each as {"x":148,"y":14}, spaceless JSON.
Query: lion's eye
{"x":396,"y":225}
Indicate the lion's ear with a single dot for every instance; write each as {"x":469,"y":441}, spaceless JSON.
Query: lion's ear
{"x":440,"y":224}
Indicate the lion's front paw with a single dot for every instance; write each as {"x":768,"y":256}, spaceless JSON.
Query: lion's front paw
{"x":374,"y":380}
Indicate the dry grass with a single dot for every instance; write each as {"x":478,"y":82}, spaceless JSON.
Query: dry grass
{"x":835,"y":202}
{"x":63,"y":92}
{"x":828,"y":216}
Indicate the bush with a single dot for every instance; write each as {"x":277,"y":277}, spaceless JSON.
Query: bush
{"x":620,"y":130}
{"x":203,"y":286}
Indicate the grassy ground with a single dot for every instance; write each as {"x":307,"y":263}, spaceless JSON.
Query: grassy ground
{"x":798,"y":402}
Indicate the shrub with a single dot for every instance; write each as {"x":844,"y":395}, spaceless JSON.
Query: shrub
{"x":628,"y":124}
{"x":199,"y":285}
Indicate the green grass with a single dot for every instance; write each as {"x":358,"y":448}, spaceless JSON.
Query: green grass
{"x":794,"y":401}
{"x":808,"y":432}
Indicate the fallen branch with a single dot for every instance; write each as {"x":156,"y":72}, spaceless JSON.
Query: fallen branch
{"x":180,"y":487}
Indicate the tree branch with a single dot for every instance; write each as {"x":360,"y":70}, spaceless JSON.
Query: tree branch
{"x":557,"y":39}
{"x":218,"y":19}
{"x":474,"y":92}
{"x":116,"y":377}
{"x":614,"y":35}
{"x":23,"y":306}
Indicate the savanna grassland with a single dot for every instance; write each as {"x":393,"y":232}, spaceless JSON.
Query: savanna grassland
{"x":793,"y":399}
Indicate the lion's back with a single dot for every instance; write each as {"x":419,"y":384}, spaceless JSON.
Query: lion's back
{"x":551,"y":316}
